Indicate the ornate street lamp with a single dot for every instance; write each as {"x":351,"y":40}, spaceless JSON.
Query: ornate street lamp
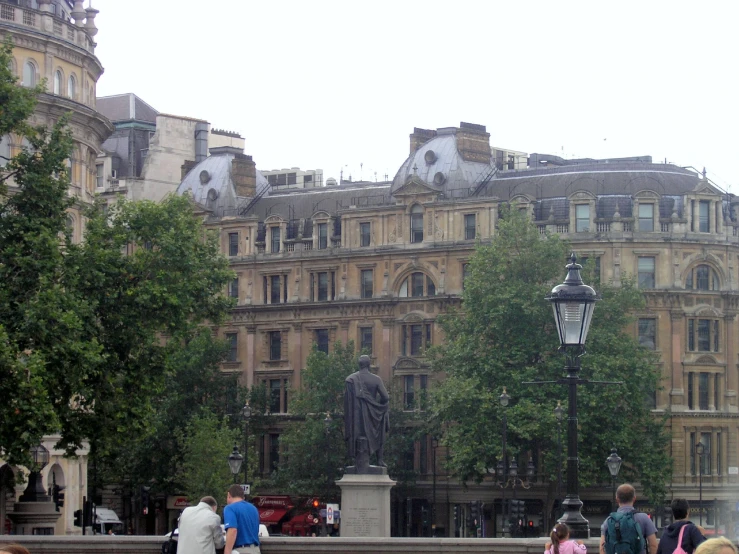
{"x":573,"y":303}
{"x":246,"y":414}
{"x":614,"y":465}
{"x":235,"y":460}
{"x":558,"y":413}
{"x":35,"y":491}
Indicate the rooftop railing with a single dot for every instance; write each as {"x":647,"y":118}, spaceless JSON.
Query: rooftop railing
{"x":46,"y":23}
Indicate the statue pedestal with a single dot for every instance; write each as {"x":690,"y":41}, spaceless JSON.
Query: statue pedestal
{"x":365,"y":504}
{"x":34,"y":518}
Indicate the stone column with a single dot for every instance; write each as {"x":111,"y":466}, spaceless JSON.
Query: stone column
{"x":344,"y":326}
{"x":385,"y":361}
{"x":678,"y":392}
{"x":251,"y":331}
{"x":732,"y":371}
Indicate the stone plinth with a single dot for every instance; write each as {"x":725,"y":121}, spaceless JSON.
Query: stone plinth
{"x":365,"y":505}
{"x":28,"y":516}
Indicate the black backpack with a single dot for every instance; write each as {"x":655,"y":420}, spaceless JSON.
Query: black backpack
{"x":623,"y":534}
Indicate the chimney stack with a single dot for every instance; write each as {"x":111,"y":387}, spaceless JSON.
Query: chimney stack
{"x":244,"y":175}
{"x":473,"y":143}
{"x":419,"y":137}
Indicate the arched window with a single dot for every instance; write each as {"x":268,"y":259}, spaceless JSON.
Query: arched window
{"x":29,"y":74}
{"x":417,"y":224}
{"x":57,"y":82}
{"x":72,"y":87}
{"x":417,"y":284}
{"x":4,"y":150}
{"x":702,"y":277}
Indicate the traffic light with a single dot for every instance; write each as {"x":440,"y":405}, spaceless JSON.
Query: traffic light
{"x":57,"y":495}
{"x":78,"y":518}
{"x":475,"y":512}
{"x":145,"y":499}
{"x":424,"y":516}
{"x":456,"y":513}
{"x":87,"y":513}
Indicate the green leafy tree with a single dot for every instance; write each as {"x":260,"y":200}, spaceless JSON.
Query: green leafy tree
{"x":205,"y":444}
{"x":505,"y":335}
{"x":90,"y":332}
{"x":314,"y":449}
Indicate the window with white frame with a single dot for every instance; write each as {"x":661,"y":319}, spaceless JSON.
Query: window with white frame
{"x":417,"y":224}
{"x":645,"y":269}
{"x":582,"y":218}
{"x":646,"y":217}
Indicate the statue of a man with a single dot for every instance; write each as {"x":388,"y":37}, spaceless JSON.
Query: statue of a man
{"x":366,"y":417}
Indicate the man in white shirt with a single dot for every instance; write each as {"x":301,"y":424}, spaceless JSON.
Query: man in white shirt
{"x":200,"y":528}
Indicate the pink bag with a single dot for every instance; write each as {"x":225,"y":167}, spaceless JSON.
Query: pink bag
{"x":679,"y":549}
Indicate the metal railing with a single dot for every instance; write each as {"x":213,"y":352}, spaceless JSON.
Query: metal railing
{"x":34,"y":19}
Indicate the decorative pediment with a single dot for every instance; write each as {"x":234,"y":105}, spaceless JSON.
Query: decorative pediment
{"x":706,"y":188}
{"x":707,"y":311}
{"x":321,"y":214}
{"x":274,"y":219}
{"x":706,"y":360}
{"x":522,"y":199}
{"x":413,"y":318}
{"x":415,"y":186}
{"x":647,"y":195}
{"x":407,"y":363}
{"x":582,"y":195}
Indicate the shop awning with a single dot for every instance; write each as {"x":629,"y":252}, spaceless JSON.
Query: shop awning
{"x":271,"y":516}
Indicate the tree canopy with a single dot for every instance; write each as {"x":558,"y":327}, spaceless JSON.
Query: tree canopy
{"x":504,"y":335}
{"x":90,"y":332}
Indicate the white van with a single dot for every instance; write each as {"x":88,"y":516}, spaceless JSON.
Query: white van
{"x":106,"y":520}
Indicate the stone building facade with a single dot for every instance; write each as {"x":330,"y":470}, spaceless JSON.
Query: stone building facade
{"x":54,"y":40}
{"x":378,"y":262}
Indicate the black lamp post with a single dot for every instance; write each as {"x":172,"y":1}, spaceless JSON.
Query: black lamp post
{"x":700,"y":449}
{"x":558,"y":413}
{"x":235,"y":460}
{"x":35,"y":491}
{"x":573,"y":303}
{"x":614,"y":465}
{"x":327,"y":431}
{"x":504,"y":399}
{"x":246,"y":414}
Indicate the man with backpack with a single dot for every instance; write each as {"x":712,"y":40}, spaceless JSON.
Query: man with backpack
{"x":627,"y":531}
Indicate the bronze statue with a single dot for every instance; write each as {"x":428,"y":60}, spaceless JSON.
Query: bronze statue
{"x":366,"y":418}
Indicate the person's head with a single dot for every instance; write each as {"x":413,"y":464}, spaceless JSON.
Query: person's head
{"x":364,"y":362}
{"x":719,"y":545}
{"x":234,"y":494}
{"x":560,"y":533}
{"x":14,"y":549}
{"x":210,"y":501}
{"x":625,"y":495}
{"x":680,"y":508}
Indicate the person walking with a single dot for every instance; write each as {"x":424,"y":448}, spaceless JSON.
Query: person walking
{"x":561,"y":543}
{"x":200,"y":528}
{"x":625,"y":498}
{"x":241,"y":520}
{"x":681,"y":527}
{"x":719,"y":545}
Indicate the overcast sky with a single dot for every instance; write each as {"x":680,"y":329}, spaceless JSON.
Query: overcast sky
{"x":319,"y":84}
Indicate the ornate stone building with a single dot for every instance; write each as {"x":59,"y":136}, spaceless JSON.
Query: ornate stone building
{"x":54,"y":40}
{"x":378,"y":262}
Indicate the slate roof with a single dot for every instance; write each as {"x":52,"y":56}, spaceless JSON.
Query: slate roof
{"x":126,"y":107}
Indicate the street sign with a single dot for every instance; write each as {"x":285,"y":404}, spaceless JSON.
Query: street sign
{"x":246,"y":487}
{"x":331,"y":510}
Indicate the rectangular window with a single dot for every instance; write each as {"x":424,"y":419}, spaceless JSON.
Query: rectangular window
{"x":274,"y":289}
{"x":322,"y":236}
{"x":716,"y":392}
{"x":233,"y":347}
{"x":692,"y":453}
{"x":704,"y":333}
{"x":582,"y":218}
{"x":366,"y":284}
{"x":470,"y":227}
{"x":322,"y":340}
{"x":285,"y":390}
{"x":703,"y":391}
{"x":233,"y":244}
{"x":704,"y":222}
{"x":275,"y":345}
{"x":424,"y":384}
{"x":364,"y":234}
{"x":274,"y":452}
{"x":365,"y":340}
{"x":416,"y":340}
{"x":465,"y":274}
{"x":705,"y":462}
{"x":423,"y":455}
{"x":648,"y":333}
{"x":274,"y":396}
{"x":719,"y":468}
{"x":99,"y":176}
{"x":646,"y":217}
{"x":292,"y":178}
{"x":691,"y":391}
{"x":408,"y":393}
{"x":233,"y":288}
{"x":417,"y":226}
{"x":322,"y":286}
{"x":275,"y":240}
{"x":417,"y":284}
{"x":646,"y":272}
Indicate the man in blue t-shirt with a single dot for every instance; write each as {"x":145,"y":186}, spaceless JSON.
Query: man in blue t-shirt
{"x":625,"y":497}
{"x":241,"y":520}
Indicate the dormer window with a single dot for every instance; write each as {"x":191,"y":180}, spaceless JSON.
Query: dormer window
{"x":582,"y":218}
{"x":646,"y":218}
{"x":275,"y":240}
{"x":417,"y":224}
{"x":322,"y":236}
